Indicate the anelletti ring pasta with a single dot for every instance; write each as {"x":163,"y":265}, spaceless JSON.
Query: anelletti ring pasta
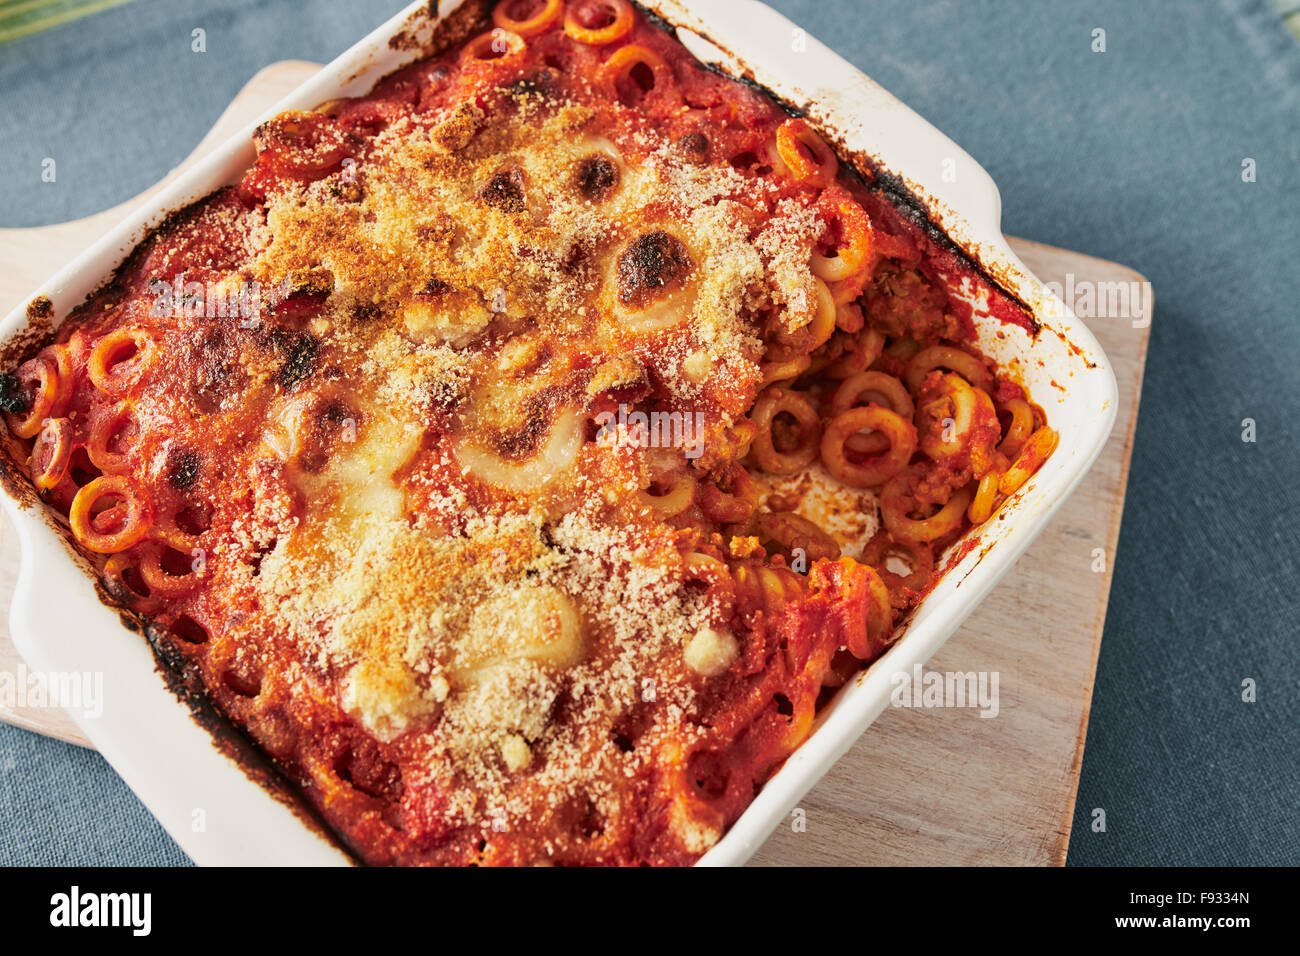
{"x":112,"y":530}
{"x":625,"y":59}
{"x":528,"y":18}
{"x":471,"y":463}
{"x":119,"y":359}
{"x":51,"y":452}
{"x":900,"y":433}
{"x":598,"y":22}
{"x":805,"y":155}
{"x":781,"y":450}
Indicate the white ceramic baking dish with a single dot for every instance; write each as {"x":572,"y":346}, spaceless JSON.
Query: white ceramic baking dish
{"x":208,"y":803}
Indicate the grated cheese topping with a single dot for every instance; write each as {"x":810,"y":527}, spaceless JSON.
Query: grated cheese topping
{"x":463,"y":569}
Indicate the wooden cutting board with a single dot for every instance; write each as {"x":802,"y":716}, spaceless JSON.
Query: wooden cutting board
{"x":940,"y":786}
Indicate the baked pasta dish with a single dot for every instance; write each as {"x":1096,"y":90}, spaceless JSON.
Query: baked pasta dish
{"x":522,"y":453}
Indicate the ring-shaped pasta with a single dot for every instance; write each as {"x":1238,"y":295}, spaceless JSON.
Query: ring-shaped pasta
{"x":1019,"y":428}
{"x":625,"y":59}
{"x":618,"y":12}
{"x":110,"y":371}
{"x":986,"y":495}
{"x":918,"y":558}
{"x":167,"y":530}
{"x":557,"y":458}
{"x":486,"y":47}
{"x":118,"y":583}
{"x":843,"y":666}
{"x":1037,"y":449}
{"x":875,"y":471}
{"x":79,"y":471}
{"x":896,"y":503}
{"x":61,"y":360}
{"x":104,"y":427}
{"x":819,"y":329}
{"x":969,"y":407}
{"x":872,"y":386}
{"x":41,"y":380}
{"x":778,"y":401}
{"x":799,"y":726}
{"x":134,"y":521}
{"x":733,"y":505}
{"x":773,"y":157}
{"x":854,"y":247}
{"x":369,"y":118}
{"x":303,"y":144}
{"x":161,"y":581}
{"x":806,"y":154}
{"x":51,"y":453}
{"x":879,"y":387}
{"x":954,"y":360}
{"x":529,"y":25}
{"x":677,"y":498}
{"x":866,"y":622}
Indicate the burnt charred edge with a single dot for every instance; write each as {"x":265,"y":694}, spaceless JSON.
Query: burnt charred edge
{"x":869,"y":171}
{"x":13,"y":398}
{"x":40,"y":309}
{"x":435,"y":288}
{"x":183,"y":466}
{"x":26,"y":341}
{"x":185,"y":678}
{"x":654,"y":19}
{"x":504,"y":191}
{"x":596,"y":177}
{"x":301,"y":352}
{"x":447,"y":32}
{"x":658,"y":21}
{"x":182,"y":680}
{"x":751,"y":84}
{"x":901,"y":196}
{"x":181,"y":216}
{"x":652,"y":261}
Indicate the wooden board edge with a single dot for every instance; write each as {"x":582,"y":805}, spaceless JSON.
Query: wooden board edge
{"x":1112,"y":547}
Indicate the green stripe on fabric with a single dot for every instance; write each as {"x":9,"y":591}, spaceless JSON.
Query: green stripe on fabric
{"x":20,"y":18}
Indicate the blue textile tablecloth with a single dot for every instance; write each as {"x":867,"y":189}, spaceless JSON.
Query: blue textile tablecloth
{"x":1133,"y":154}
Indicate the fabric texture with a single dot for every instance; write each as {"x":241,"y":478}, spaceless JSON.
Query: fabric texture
{"x":1135,"y":154}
